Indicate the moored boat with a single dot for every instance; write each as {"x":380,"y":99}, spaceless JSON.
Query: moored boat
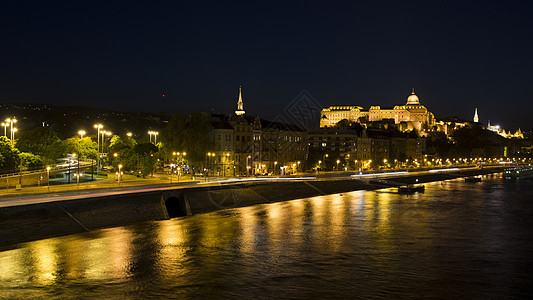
{"x":473,"y":179}
{"x":409,"y":189}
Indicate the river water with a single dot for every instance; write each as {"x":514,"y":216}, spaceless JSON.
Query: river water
{"x":457,"y":240}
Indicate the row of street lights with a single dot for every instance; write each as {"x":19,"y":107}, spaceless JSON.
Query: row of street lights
{"x":154,"y":133}
{"x":10,"y":122}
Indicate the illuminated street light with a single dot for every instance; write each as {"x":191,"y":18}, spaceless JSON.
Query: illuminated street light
{"x":154,"y":133}
{"x":48,"y":176}
{"x":11,"y":122}
{"x":81,"y":133}
{"x":129,"y":134}
{"x":5,"y":124}
{"x":98,"y":127}
{"x":119,"y":174}
{"x":13,"y":130}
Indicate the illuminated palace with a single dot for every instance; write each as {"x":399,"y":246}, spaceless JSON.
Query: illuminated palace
{"x":415,"y":115}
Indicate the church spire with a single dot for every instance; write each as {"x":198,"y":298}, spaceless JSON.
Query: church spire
{"x":240,"y":105}
{"x":476,"y":117}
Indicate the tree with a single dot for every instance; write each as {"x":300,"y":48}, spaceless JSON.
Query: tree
{"x":42,"y":141}
{"x":85,"y":148}
{"x":9,"y":155}
{"x":147,"y":161}
{"x":190,"y":134}
{"x":30,"y":161}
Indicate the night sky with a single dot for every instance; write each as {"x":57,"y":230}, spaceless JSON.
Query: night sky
{"x":125,"y":55}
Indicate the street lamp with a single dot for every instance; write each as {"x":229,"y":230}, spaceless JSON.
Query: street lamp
{"x":13,"y":130}
{"x":224,"y":166}
{"x":48,"y":176}
{"x":5,"y":128}
{"x":154,"y":133}
{"x":98,"y":127}
{"x":10,"y":123}
{"x":247,"y":166}
{"x":81,"y":133}
{"x":119,"y":174}
{"x":129,"y":134}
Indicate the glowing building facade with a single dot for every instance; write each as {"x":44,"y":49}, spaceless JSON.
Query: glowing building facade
{"x":415,"y":115}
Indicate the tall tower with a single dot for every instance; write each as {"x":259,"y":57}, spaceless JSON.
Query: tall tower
{"x":240,"y":105}
{"x":476,"y":117}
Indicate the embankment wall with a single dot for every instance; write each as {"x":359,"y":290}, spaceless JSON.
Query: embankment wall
{"x":36,"y":221}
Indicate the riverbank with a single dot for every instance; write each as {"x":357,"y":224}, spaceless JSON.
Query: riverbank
{"x":87,"y":212}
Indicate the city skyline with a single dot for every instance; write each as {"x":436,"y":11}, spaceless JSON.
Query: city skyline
{"x":458,"y":57}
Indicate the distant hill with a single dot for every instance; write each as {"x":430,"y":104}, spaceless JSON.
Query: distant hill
{"x":68,"y":120}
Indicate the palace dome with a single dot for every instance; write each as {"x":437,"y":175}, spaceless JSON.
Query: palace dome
{"x":413,"y":99}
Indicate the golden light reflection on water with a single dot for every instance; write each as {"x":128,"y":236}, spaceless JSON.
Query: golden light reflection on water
{"x":45,"y":261}
{"x":378,"y":228}
{"x":108,"y":256}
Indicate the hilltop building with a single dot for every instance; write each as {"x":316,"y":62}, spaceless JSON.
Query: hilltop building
{"x":412,"y":113}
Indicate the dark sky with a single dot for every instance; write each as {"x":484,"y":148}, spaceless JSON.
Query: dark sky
{"x":124,"y":55}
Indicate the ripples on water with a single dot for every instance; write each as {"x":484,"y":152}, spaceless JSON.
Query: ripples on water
{"x":457,"y":240}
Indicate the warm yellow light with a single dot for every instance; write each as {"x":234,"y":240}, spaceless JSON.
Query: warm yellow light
{"x":129,"y":134}
{"x":48,"y":168}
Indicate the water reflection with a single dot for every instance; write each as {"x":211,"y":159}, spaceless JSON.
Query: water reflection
{"x":454,"y":240}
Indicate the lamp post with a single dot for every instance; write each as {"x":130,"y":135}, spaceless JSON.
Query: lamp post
{"x":5,"y":128}
{"x":98,"y":127}
{"x":247,"y":166}
{"x":324,"y":159}
{"x":119,"y":174}
{"x":78,"y":173}
{"x":48,"y":176}
{"x":13,"y":130}
{"x":224,"y":166}
{"x":10,"y":122}
{"x":154,"y":133}
{"x":81,"y":133}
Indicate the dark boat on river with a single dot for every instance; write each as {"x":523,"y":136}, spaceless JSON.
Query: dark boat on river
{"x":473,"y":179}
{"x":410,"y":189}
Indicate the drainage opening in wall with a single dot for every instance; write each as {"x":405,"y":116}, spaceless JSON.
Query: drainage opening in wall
{"x":176,"y":207}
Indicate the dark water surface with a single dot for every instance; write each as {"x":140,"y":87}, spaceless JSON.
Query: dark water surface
{"x":457,"y":240}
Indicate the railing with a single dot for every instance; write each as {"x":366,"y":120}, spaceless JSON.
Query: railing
{"x":83,"y":164}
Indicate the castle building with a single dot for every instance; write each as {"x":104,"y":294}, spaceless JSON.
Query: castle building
{"x":415,"y":115}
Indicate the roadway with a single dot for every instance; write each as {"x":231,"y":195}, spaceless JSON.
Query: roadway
{"x":38,"y":195}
